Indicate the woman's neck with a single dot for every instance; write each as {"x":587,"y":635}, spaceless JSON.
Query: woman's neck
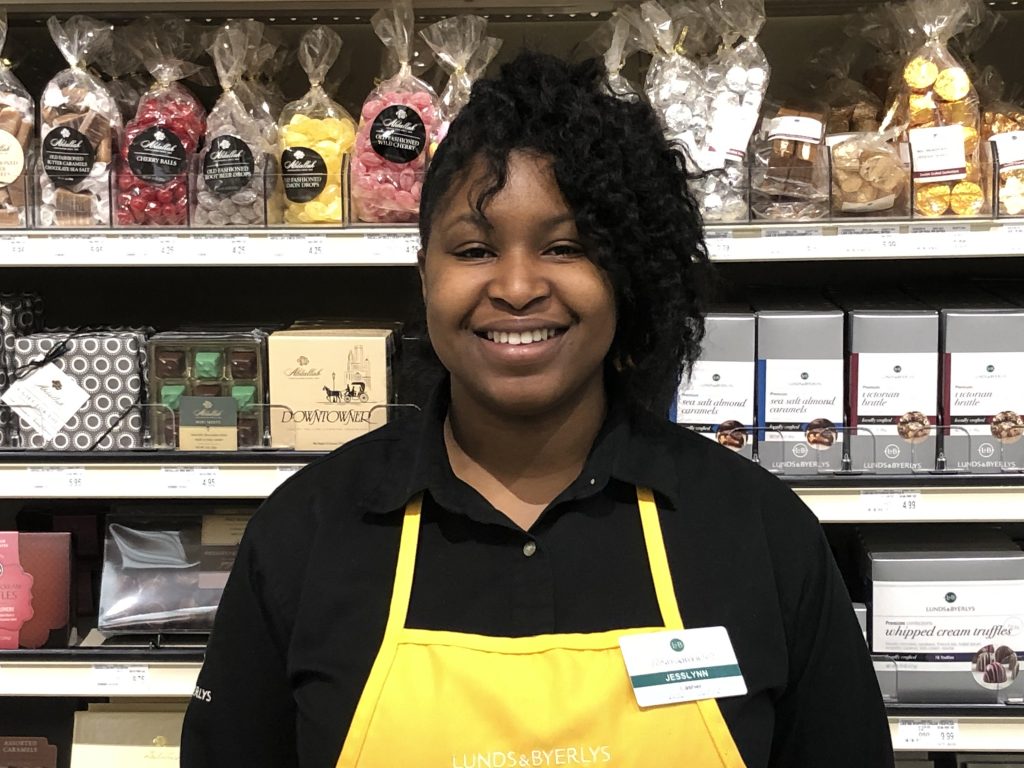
{"x":521,"y":464}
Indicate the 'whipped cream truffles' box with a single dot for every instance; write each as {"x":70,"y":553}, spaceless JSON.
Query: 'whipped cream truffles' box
{"x":893,"y":389}
{"x":717,"y":399}
{"x":983,"y":389}
{"x":800,"y":389}
{"x":946,"y":607}
{"x":327,"y":385}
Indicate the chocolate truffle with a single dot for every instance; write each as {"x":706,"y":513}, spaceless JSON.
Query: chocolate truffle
{"x":170,"y":395}
{"x":994,"y":673}
{"x":208,"y":365}
{"x":170,"y":363}
{"x":242,"y":363}
{"x":245,"y":395}
{"x":249,"y":432}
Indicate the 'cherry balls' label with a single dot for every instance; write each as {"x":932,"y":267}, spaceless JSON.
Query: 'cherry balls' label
{"x":305,"y":174}
{"x":68,"y":156}
{"x":228,"y":167}
{"x":398,"y":134}
{"x":157,"y":155}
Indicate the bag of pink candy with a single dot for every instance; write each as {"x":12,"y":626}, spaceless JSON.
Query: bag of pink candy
{"x":161,"y":142}
{"x":398,"y":129}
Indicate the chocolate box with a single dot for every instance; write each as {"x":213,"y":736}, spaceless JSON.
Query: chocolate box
{"x":800,"y":388}
{"x":327,"y":385}
{"x":19,"y":314}
{"x":35,"y":590}
{"x":105,"y":368}
{"x":982,"y":396}
{"x":717,"y":399}
{"x":166,"y":572}
{"x":946,"y":608}
{"x":227,"y":365}
{"x":27,"y":752}
{"x":892,"y":389}
{"x":126,"y":738}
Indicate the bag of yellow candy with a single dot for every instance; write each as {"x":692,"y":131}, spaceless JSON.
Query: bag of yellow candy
{"x":938,"y":106}
{"x":316,"y":138}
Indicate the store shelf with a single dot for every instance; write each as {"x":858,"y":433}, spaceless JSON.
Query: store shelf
{"x":397,"y":246}
{"x":78,"y":477}
{"x":865,"y":240}
{"x":392,"y":246}
{"x":947,"y":729}
{"x":98,"y":678}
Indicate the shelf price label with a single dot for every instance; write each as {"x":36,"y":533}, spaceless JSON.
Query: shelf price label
{"x":167,"y":247}
{"x":940,"y":239}
{"x":56,"y":480}
{"x":890,"y":504}
{"x":120,"y":676}
{"x":392,"y":248}
{"x":204,"y":480}
{"x":862,"y":241}
{"x":17,"y":246}
{"x":314,"y":246}
{"x":719,"y":243}
{"x":927,"y":734}
{"x":793,"y":242}
{"x":238,"y":247}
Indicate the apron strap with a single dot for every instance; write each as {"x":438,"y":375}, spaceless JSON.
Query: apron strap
{"x":402,"y":591}
{"x":658,"y":560}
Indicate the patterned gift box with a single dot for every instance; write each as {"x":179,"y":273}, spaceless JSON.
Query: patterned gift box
{"x":109,"y":366}
{"x":19,"y":314}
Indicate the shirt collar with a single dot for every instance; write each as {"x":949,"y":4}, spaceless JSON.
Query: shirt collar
{"x":629,"y":448}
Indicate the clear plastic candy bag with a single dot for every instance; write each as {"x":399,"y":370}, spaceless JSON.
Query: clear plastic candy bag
{"x":675,"y":82}
{"x":316,"y":136}
{"x":938,"y":108}
{"x":615,"y":41}
{"x":398,"y":127}
{"x":790,"y":165}
{"x":17,"y":121}
{"x":852,"y":108}
{"x":869,"y":178}
{"x":230,"y":177}
{"x":121,"y":67}
{"x":162,"y":140}
{"x":80,"y":130}
{"x":462,"y":48}
{"x":263,"y":103}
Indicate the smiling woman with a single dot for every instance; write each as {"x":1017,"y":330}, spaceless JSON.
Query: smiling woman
{"x":503,"y":580}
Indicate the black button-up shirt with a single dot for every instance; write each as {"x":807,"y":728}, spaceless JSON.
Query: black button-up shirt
{"x":305,"y":608}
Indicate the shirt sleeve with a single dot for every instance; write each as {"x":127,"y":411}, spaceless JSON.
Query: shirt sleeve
{"x":242,"y":711}
{"x":831,"y":712}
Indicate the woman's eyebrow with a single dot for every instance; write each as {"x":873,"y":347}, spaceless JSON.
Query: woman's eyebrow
{"x":474,"y":218}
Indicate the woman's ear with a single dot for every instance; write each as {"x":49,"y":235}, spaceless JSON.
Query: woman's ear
{"x":421,"y":263}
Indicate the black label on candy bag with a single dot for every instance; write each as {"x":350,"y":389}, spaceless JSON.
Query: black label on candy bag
{"x":68,"y":156}
{"x":398,"y":134}
{"x":228,"y":166}
{"x":305,"y":174}
{"x":157,"y":155}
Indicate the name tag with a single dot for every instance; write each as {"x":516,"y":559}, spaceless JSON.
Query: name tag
{"x":682,"y":665}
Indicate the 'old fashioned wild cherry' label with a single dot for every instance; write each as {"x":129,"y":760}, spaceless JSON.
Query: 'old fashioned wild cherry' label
{"x":228,"y":166}
{"x":15,"y":592}
{"x":68,"y":156}
{"x":157,"y":155}
{"x":398,"y":134}
{"x":304,"y":172}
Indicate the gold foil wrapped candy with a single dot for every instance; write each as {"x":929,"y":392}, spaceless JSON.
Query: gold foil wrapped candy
{"x":967,"y":199}
{"x":932,"y":199}
{"x":920,"y":73}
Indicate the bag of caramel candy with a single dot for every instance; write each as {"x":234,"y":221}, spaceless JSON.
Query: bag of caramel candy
{"x":17,"y":119}
{"x":1002,"y":124}
{"x":868,"y":176}
{"x":80,"y":130}
{"x":937,"y":106}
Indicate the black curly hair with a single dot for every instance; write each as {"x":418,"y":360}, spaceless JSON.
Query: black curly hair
{"x":627,"y":187}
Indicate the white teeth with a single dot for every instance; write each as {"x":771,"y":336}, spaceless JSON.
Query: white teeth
{"x":515,"y":338}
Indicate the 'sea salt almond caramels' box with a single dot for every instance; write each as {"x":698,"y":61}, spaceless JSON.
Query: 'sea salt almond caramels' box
{"x":328,"y":385}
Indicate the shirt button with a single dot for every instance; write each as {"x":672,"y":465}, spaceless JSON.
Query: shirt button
{"x":529,"y":548}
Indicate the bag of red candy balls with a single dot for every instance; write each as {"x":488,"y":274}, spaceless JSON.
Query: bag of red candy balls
{"x":398,"y":129}
{"x":161,"y":142}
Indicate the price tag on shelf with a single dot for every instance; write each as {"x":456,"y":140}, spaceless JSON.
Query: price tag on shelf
{"x":927,"y":734}
{"x":55,"y":479}
{"x":890,"y":504}
{"x":134,"y":246}
{"x":314,"y":246}
{"x":865,"y":241}
{"x":96,"y":247}
{"x":719,"y":244}
{"x":391,"y":248}
{"x":793,"y":242}
{"x":238,"y":247}
{"x":17,"y":246}
{"x":167,"y":247}
{"x":190,"y":479}
{"x":120,"y":676}
{"x":940,"y":239}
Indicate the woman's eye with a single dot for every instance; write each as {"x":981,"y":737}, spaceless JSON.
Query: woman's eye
{"x":474,"y":253}
{"x":566,"y":250}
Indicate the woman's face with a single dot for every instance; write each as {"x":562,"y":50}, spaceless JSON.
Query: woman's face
{"x":516,"y":311}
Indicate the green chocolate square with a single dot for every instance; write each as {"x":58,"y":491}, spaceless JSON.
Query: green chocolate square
{"x":245,"y":396}
{"x":171,"y":394}
{"x":208,"y":365}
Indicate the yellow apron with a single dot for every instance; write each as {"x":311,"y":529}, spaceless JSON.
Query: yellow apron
{"x":438,"y":699}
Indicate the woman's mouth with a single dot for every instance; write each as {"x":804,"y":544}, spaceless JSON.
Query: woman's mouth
{"x":520,"y":338}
